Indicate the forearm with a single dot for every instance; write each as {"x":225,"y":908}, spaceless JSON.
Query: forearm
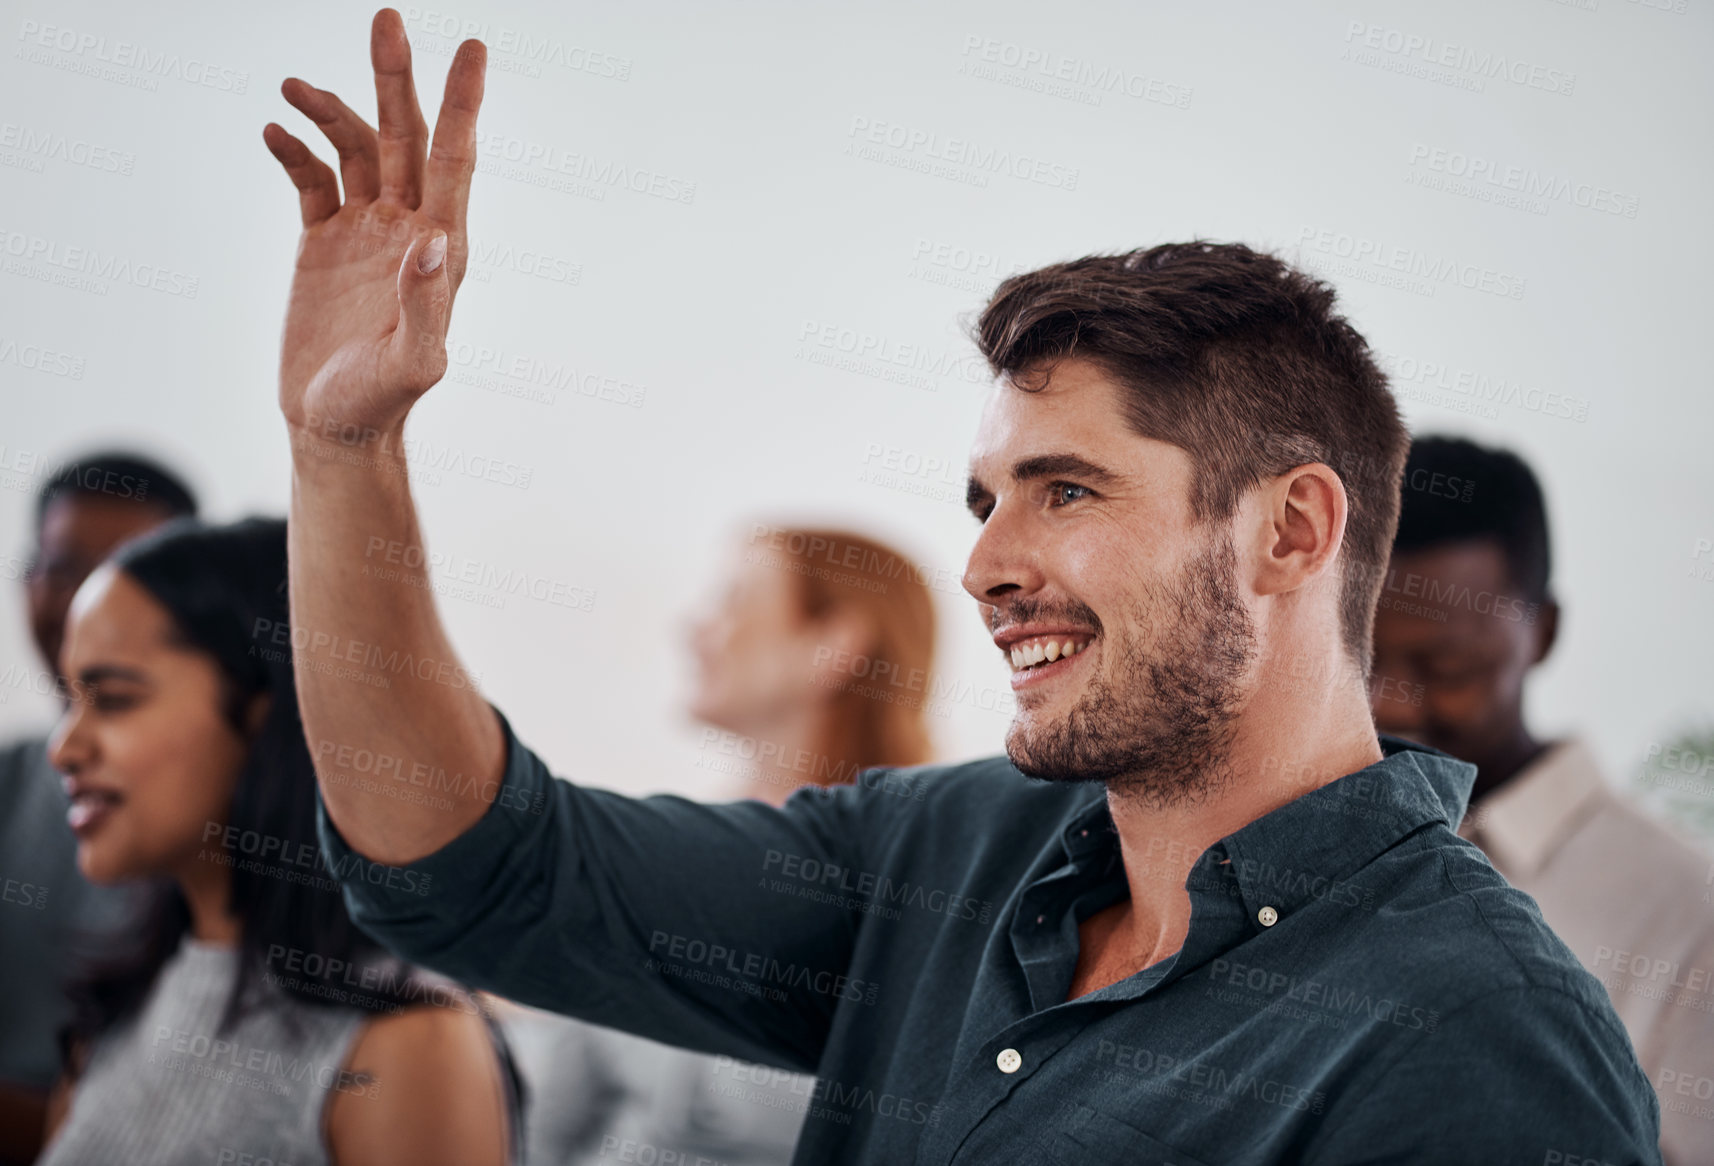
{"x":386,"y":705}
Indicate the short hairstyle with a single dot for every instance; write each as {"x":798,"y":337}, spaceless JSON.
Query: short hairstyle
{"x":117,"y":474}
{"x":1505,"y":504}
{"x":1235,"y":357}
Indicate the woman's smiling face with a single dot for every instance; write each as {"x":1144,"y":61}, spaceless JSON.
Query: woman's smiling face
{"x":149,"y":754}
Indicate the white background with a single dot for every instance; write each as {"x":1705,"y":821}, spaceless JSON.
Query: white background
{"x":1256,"y":122}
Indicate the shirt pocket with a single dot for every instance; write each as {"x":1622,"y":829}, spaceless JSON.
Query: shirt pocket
{"x":1086,"y":1135}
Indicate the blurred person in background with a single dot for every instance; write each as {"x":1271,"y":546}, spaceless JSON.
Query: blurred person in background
{"x":244,"y":1016}
{"x":774,"y":688}
{"x":1466,"y":614}
{"x":83,"y":510}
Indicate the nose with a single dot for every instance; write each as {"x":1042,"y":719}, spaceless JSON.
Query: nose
{"x":71,"y":747}
{"x":1004,"y":560}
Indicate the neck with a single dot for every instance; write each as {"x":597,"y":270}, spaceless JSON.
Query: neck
{"x":208,"y":890}
{"x":790,"y":752}
{"x":1504,"y":763}
{"x":1288,"y":741}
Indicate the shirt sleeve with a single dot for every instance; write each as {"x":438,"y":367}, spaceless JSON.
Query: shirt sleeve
{"x":1528,"y":1074}
{"x":651,"y":915}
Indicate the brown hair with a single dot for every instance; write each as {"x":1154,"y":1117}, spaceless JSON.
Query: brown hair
{"x":838,"y":569}
{"x":1235,"y":357}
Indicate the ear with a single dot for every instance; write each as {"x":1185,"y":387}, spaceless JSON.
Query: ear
{"x":1300,"y":526}
{"x":256,"y":713}
{"x":1546,"y":631}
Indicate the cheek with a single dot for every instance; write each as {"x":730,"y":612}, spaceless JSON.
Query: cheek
{"x":180,"y":773}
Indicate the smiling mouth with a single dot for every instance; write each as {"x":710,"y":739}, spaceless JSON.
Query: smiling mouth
{"x":89,"y":809}
{"x":1038,"y":651}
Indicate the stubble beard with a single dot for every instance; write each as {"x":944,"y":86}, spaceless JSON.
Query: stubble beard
{"x":1162,"y":735}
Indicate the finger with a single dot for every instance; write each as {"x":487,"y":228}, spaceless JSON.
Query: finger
{"x":425,"y":303}
{"x":404,"y":134}
{"x":318,"y":190}
{"x":446,"y":187}
{"x":351,"y":136}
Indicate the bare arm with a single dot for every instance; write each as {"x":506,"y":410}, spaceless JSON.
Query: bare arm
{"x":364,"y":338}
{"x":426,"y":1091}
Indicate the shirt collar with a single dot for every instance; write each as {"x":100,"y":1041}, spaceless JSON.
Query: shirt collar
{"x":1523,"y":822}
{"x":1310,"y":848}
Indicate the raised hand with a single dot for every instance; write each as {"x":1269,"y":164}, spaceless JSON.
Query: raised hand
{"x":372,"y":294}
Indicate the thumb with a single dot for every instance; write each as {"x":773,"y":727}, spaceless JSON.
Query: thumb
{"x":425,"y":300}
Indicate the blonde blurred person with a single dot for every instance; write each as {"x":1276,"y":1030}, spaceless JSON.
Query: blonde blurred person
{"x":786,"y":657}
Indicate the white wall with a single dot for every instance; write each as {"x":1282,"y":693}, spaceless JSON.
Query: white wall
{"x":1261,"y":122}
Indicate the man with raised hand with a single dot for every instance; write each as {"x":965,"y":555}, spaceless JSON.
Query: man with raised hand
{"x":1214,"y":919}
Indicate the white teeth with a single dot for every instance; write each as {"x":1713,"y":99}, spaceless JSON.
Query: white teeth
{"x":1028,"y":655}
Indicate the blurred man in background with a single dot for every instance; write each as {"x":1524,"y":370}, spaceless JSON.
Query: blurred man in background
{"x":83,"y":512}
{"x":1466,"y":613}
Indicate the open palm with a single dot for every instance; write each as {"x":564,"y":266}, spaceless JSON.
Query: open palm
{"x":372,"y":293}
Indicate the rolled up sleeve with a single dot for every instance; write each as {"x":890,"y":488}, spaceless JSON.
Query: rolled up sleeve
{"x":652,"y":915}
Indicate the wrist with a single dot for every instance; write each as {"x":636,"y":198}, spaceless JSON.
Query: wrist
{"x":319,"y":442}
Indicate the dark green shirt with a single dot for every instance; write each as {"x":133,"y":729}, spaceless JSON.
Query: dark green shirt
{"x":1357,"y":984}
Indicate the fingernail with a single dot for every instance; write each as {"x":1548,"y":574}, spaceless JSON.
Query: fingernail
{"x":428,"y":259}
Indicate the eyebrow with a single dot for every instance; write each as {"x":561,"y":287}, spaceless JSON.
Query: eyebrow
{"x":101,"y":672}
{"x":1047,"y":465}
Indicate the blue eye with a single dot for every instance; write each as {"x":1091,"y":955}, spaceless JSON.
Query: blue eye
{"x":1057,"y":492}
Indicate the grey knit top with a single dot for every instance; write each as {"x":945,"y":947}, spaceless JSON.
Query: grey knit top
{"x":162,"y":1089}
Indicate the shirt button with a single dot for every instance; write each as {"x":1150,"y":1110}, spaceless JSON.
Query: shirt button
{"x":1268,"y":916}
{"x":1009,"y":1061}
{"x":1040,"y":919}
